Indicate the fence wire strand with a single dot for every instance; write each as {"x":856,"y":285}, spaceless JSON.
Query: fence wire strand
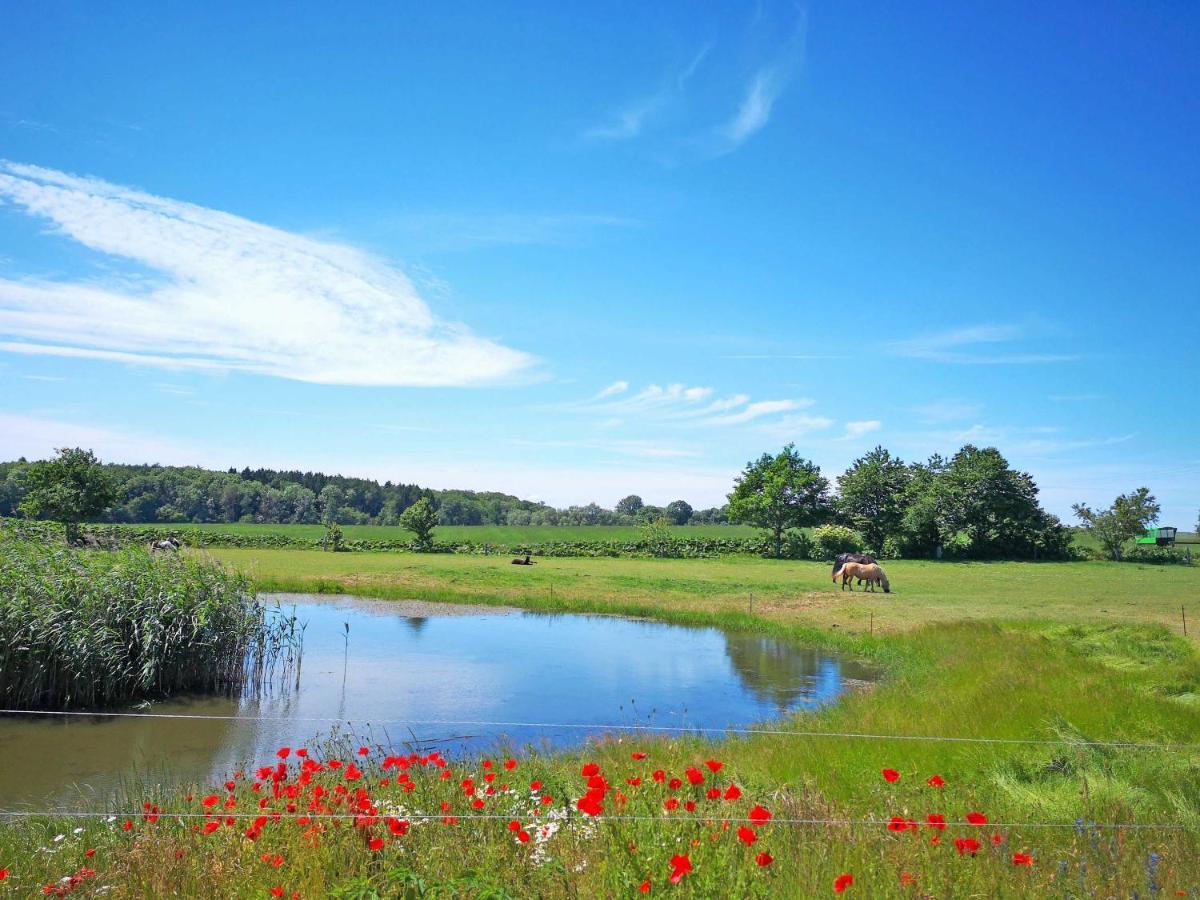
{"x":665,"y":729}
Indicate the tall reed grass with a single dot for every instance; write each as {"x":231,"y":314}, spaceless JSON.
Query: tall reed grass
{"x":85,"y":629}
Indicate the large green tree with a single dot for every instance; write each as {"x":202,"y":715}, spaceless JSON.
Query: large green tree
{"x":679,"y":512}
{"x":871,"y":495}
{"x":1128,"y":516}
{"x":978,"y":501}
{"x":70,"y":489}
{"x":778,"y":493}
{"x":629,"y":506}
{"x":420,"y":518}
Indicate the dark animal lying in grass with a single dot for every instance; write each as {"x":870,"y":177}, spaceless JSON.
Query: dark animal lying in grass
{"x":523,"y":562}
{"x":868,"y":572}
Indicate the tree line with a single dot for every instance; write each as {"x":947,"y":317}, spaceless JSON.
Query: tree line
{"x":973,"y":504}
{"x":186,"y":494}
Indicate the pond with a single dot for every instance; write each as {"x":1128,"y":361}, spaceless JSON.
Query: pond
{"x":430,"y":675}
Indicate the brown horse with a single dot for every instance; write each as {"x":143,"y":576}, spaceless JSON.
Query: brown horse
{"x":868,"y":572}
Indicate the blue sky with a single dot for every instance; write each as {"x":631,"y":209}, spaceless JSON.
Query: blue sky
{"x":575,"y":254}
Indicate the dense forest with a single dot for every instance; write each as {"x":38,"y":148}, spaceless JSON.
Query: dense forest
{"x":152,"y":493}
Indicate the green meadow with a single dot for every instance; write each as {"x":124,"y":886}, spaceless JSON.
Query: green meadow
{"x":1039,"y":660}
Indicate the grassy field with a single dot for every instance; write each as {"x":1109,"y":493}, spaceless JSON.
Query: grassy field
{"x":1013,"y":652}
{"x":500,"y":534}
{"x":787,"y":592}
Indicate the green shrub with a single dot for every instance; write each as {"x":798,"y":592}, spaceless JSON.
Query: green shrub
{"x":830,"y":540}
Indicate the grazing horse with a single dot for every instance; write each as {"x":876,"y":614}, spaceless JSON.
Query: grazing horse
{"x":170,"y":545}
{"x":842,"y":558}
{"x":870,"y":573}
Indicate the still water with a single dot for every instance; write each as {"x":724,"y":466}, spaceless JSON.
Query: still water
{"x":458,"y":678}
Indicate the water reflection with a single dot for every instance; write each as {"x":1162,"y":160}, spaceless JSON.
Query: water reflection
{"x":433,"y":679}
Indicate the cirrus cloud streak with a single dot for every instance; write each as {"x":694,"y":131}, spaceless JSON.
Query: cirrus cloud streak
{"x":228,"y":294}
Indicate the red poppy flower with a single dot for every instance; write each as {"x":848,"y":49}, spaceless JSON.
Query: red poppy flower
{"x":659,"y":775}
{"x":714,"y":766}
{"x":487,"y":763}
{"x":966,"y":845}
{"x":713,"y":793}
{"x":129,"y":825}
{"x":760,"y":815}
{"x":523,"y":837}
{"x":764,"y":859}
{"x":746,"y":835}
{"x":590,"y":805}
{"x":1022,"y":859}
{"x":638,"y":754}
{"x":514,"y":825}
{"x":680,"y":866}
{"x":899,"y":823}
{"x":890,"y":775}
{"x":589,"y":770}
{"x":997,"y":839}
{"x":375,"y":844}
{"x":510,"y":764}
{"x":209,"y":827}
{"x":977,"y":818}
{"x":364,"y":751}
{"x":4,"y":874}
{"x":302,"y":752}
{"x":535,"y":785}
{"x":694,"y":775}
{"x":547,"y":799}
{"x":277,"y":891}
{"x":936,"y":821}
{"x":283,"y":752}
{"x":633,"y":782}
{"x":671,"y":803}
{"x":690,"y":806}
{"x":398,"y":827}
{"x":211,"y":800}
{"x":936,"y":781}
{"x":90,"y":852}
{"x":675,"y":784}
{"x":907,"y":878}
{"x":842,"y":882}
{"x":733,"y":792}
{"x":644,"y":887}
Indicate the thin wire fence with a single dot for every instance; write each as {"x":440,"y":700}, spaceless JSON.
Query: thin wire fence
{"x":665,"y":729}
{"x":673,"y":820}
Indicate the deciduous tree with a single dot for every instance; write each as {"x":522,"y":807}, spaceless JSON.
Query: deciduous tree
{"x":778,"y":493}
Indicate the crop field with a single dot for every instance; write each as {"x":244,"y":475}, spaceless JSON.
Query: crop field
{"x":500,"y":534}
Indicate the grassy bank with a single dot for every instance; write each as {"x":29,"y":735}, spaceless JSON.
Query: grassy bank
{"x":1072,"y":652}
{"x":787,"y":592}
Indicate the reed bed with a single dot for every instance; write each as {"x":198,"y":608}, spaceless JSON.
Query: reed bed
{"x":86,"y":629}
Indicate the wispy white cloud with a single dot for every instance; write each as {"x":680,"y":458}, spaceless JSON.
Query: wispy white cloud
{"x":617,"y":387}
{"x":229,"y":294}
{"x":752,"y":411}
{"x":858,"y":429}
{"x":762,"y":91}
{"x":680,"y":404}
{"x":946,"y":411}
{"x":43,"y":378}
{"x":956,"y":346}
{"x":629,"y":121}
{"x":755,"y":109}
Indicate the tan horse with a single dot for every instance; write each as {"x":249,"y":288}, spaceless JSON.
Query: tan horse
{"x":870,"y":573}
